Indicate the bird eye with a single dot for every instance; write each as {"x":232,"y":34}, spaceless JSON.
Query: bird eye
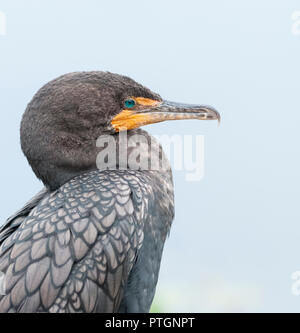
{"x":129,"y":103}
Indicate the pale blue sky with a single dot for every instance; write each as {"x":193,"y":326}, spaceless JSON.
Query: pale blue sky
{"x":236,"y":238}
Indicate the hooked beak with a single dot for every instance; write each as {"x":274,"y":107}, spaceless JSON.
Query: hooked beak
{"x":162,"y":111}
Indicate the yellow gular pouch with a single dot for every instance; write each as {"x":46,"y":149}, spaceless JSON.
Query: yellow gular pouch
{"x":129,"y":119}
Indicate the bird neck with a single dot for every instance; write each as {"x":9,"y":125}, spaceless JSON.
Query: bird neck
{"x":58,"y":159}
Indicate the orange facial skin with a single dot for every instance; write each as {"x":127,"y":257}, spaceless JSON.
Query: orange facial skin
{"x":128,"y":119}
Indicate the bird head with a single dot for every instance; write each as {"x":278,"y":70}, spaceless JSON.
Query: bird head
{"x":66,"y":116}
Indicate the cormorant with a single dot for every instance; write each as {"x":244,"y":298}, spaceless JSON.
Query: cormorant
{"x":92,"y":239}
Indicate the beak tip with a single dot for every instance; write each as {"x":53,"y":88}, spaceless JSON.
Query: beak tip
{"x":214,"y":114}
{"x":218,"y":118}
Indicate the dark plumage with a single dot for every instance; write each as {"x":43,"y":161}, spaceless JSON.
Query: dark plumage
{"x":92,"y":240}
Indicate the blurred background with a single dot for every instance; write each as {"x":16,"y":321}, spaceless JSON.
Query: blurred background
{"x":235,"y":241}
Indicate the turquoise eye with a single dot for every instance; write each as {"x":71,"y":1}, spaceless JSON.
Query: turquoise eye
{"x":129,"y":103}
